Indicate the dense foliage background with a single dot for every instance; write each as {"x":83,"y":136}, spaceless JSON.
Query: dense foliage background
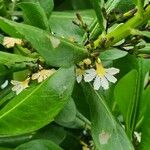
{"x":47,"y":47}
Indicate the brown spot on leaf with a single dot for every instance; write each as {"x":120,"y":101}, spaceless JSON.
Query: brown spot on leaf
{"x":55,"y":42}
{"x":104,"y":137}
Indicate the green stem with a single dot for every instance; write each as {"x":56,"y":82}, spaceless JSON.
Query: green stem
{"x":140,"y":7}
{"x":85,"y":120}
{"x":123,"y":30}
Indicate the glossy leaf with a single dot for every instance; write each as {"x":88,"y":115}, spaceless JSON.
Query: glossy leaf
{"x":34,"y":15}
{"x":67,"y":29}
{"x":107,"y":133}
{"x":47,"y":6}
{"x":14,"y":141}
{"x":9,"y":59}
{"x":125,"y":5}
{"x":112,"y":54}
{"x":146,"y":122}
{"x":37,"y":106}
{"x":111,"y":4}
{"x":63,"y":117}
{"x":125,"y":95}
{"x":39,"y":145}
{"x":56,"y":51}
{"x":51,"y":132}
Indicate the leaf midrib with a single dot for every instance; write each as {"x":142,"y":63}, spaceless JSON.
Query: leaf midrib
{"x":13,"y":108}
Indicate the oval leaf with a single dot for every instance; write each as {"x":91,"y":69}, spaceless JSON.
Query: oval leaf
{"x":34,"y":15}
{"x":37,"y":106}
{"x":63,"y":118}
{"x":107,"y":133}
{"x":125,"y":94}
{"x":56,"y":51}
{"x":39,"y":145}
{"x":112,"y":54}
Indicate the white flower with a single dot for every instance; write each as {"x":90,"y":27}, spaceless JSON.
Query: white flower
{"x":101,"y":76}
{"x":79,"y":74}
{"x":42,"y":75}
{"x":4,"y":85}
{"x":10,"y":42}
{"x":19,"y":86}
{"x":138,"y":136}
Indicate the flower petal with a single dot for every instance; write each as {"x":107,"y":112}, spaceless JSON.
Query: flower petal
{"x":16,"y":87}
{"x":79,"y":78}
{"x":97,"y":83}
{"x":13,"y":82}
{"x":35,"y":76}
{"x":4,"y":85}
{"x":89,"y":77}
{"x":104,"y":83}
{"x":112,"y":71}
{"x":40,"y":79}
{"x":19,"y":90}
{"x":90,"y":71}
{"x":110,"y":78}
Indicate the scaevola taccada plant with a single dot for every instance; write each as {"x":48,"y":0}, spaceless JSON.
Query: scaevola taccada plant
{"x":74,"y":75}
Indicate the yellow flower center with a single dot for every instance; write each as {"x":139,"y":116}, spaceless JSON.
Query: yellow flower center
{"x":80,"y":71}
{"x":100,"y":70}
{"x":25,"y":83}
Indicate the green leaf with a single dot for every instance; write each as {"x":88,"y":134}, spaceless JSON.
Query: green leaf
{"x":98,"y":6}
{"x":4,"y":70}
{"x":34,"y":15}
{"x":80,"y":4}
{"x":125,"y":5}
{"x":37,"y":106}
{"x":56,"y":51}
{"x":112,"y":54}
{"x":67,"y":29}
{"x":145,"y":125}
{"x":146,"y":49}
{"x":126,"y":96}
{"x":111,"y":4}
{"x":39,"y":145}
{"x":80,"y":101}
{"x":47,"y":6}
{"x":14,"y":141}
{"x":9,"y":59}
{"x":63,"y":118}
{"x":106,"y":132}
{"x":143,"y":33}
{"x":5,"y":148}
{"x":52,"y":132}
{"x":3,"y":10}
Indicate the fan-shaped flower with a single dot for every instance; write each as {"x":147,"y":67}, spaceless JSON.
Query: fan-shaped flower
{"x":101,"y":76}
{"x":19,"y":86}
{"x":42,"y":74}
{"x":79,"y":74}
{"x":10,"y":42}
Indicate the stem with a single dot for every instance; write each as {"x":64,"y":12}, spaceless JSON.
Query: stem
{"x":85,"y":120}
{"x":123,"y":30}
{"x":140,"y":7}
